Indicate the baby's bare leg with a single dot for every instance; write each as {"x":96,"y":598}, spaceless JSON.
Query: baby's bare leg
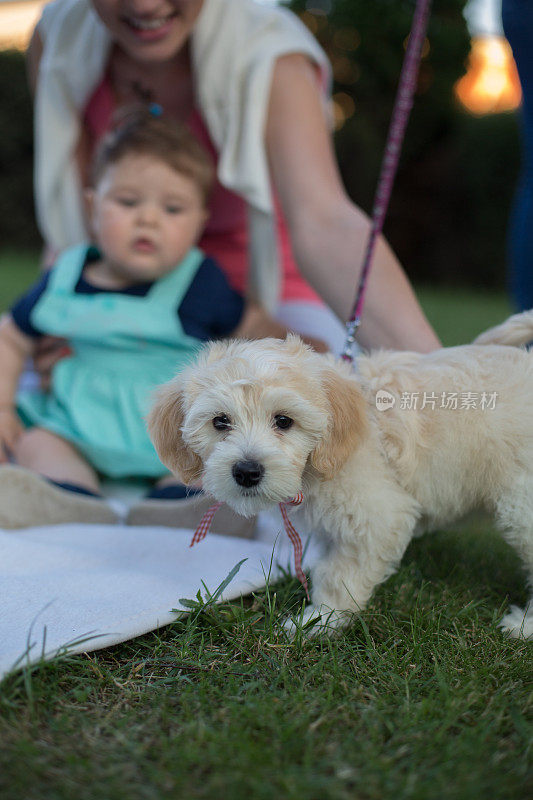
{"x":48,"y":454}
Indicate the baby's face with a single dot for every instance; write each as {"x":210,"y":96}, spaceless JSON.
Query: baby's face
{"x":145,"y":217}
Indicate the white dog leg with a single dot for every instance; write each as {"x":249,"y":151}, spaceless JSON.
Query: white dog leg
{"x":518,"y":622}
{"x":343,"y":582}
{"x":515,"y":515}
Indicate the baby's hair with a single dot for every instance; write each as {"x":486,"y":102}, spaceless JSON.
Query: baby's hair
{"x":137,"y":131}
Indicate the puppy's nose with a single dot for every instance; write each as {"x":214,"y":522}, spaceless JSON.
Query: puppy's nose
{"x":247,"y":473}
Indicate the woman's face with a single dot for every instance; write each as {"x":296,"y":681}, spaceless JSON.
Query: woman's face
{"x":149,"y":30}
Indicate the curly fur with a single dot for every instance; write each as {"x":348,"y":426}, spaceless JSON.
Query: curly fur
{"x":371,"y":479}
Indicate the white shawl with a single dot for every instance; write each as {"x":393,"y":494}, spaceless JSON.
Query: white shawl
{"x":234,"y":46}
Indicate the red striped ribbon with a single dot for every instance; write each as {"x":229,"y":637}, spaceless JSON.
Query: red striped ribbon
{"x":205,"y":523}
{"x":294,"y":536}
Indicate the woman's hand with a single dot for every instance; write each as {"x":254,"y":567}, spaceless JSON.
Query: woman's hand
{"x":48,"y":352}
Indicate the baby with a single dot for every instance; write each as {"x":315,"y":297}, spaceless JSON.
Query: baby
{"x":135,"y":307}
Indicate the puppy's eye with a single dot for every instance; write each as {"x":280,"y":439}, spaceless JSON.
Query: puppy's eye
{"x":222,"y":422}
{"x":282,"y":422}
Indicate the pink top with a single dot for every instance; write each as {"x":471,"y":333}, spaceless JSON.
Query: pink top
{"x":226,"y":234}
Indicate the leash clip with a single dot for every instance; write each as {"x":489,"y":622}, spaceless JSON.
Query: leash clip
{"x":351,"y":329}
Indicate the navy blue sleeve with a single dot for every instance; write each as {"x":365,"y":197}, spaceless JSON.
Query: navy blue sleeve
{"x":211,"y":309}
{"x":22,"y":308}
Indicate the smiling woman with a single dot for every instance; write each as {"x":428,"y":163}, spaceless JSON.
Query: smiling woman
{"x":250,"y":83}
{"x":278,"y":228}
{"x":152,"y":31}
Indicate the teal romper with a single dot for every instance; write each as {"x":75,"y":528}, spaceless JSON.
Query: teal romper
{"x":123,"y":347}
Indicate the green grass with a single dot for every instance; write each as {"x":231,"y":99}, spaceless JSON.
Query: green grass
{"x":422,"y":698}
{"x":458,"y":315}
{"x":18,"y":270}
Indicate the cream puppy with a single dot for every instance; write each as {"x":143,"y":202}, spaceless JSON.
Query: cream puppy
{"x":406,"y":443}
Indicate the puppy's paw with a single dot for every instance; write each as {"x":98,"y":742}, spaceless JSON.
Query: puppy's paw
{"x":519,"y":623}
{"x":318,"y":621}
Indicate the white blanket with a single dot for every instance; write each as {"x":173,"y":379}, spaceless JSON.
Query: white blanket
{"x":78,"y":588}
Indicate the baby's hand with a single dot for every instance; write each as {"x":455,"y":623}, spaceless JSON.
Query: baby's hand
{"x":10,"y":430}
{"x":48,"y":351}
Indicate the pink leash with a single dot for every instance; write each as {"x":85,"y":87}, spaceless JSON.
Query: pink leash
{"x":391,"y":157}
{"x":389,"y":166}
{"x":205,"y":523}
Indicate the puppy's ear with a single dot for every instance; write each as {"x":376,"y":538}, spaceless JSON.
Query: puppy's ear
{"x":347,"y":426}
{"x":164,"y":422}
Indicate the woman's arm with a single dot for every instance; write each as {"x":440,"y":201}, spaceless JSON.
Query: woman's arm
{"x":83,"y":149}
{"x":33,"y":59}
{"x":328,"y":232}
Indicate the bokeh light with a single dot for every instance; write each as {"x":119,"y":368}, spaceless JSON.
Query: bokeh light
{"x":17,"y":20}
{"x":491,"y":84}
{"x":343,"y":108}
